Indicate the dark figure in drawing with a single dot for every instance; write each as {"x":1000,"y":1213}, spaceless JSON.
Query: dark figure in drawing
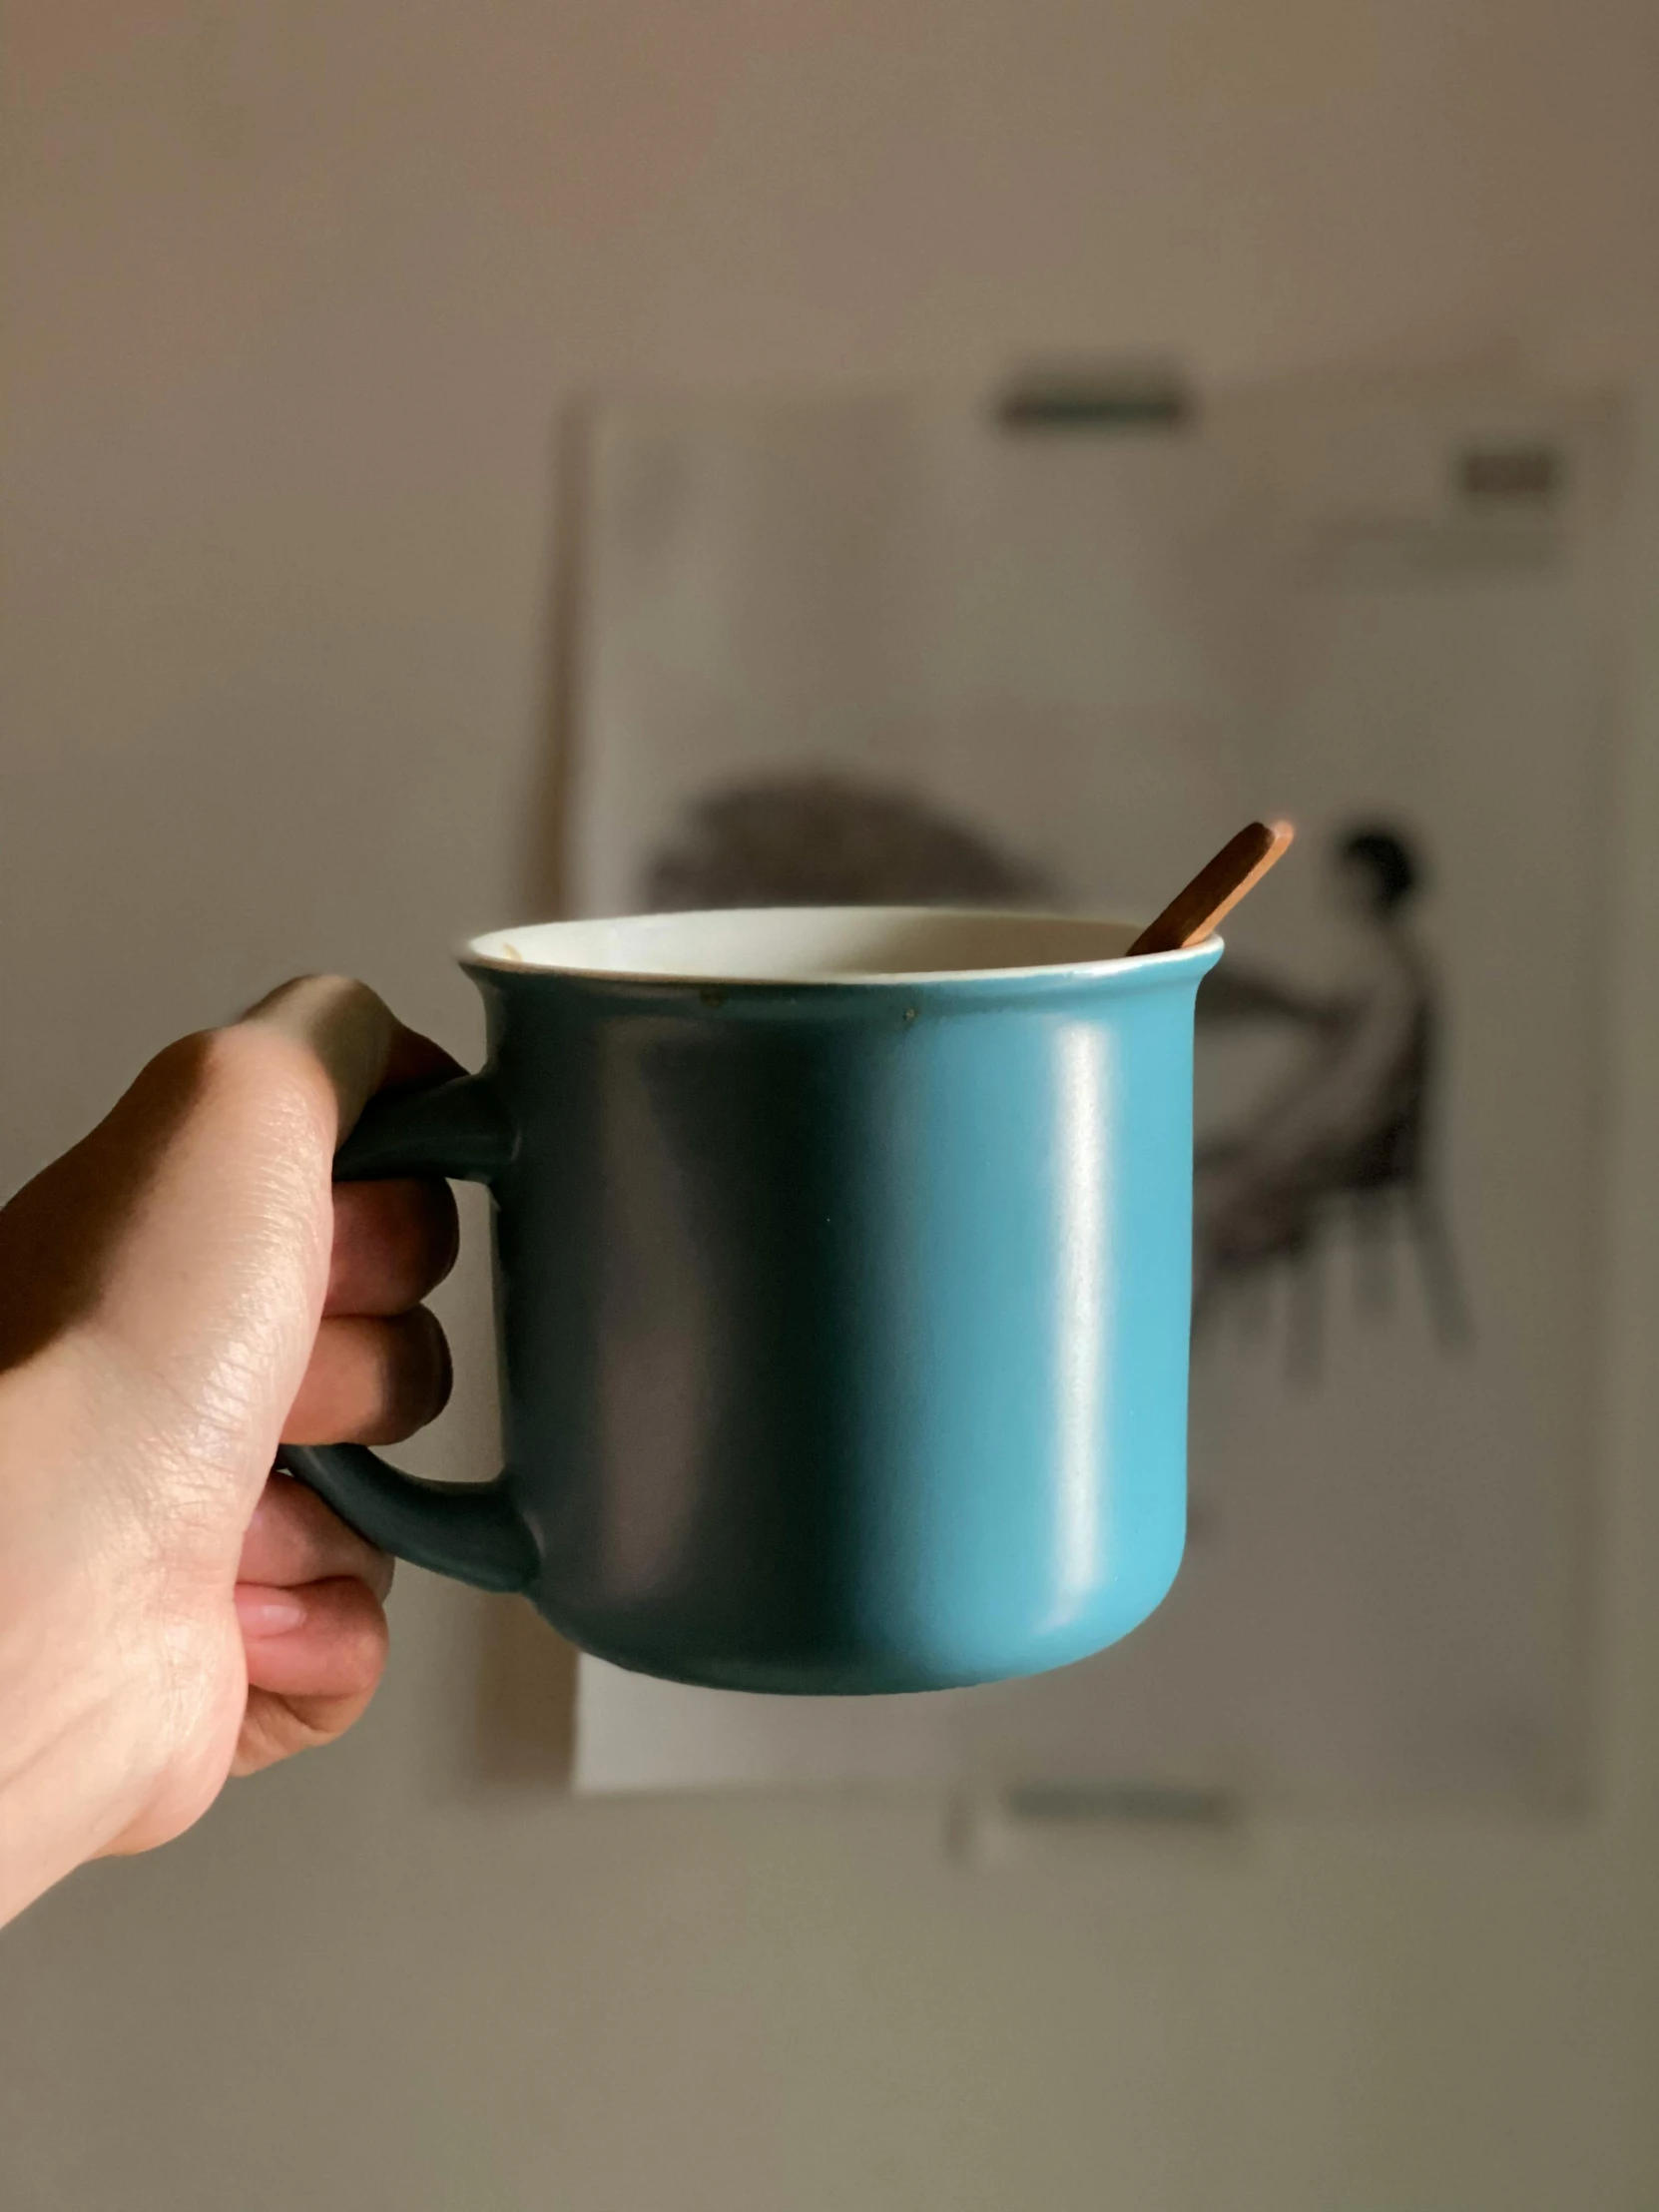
{"x":829,"y":840}
{"x":1348,"y":1137}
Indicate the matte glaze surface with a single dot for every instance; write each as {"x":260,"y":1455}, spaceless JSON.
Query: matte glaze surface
{"x":843,"y":1324}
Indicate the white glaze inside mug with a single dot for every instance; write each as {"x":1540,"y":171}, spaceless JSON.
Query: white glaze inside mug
{"x":801,"y":945}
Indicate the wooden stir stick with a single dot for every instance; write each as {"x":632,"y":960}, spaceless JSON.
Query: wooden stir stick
{"x":1216,"y":889}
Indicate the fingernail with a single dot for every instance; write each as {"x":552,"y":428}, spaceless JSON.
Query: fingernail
{"x":267,"y":1612}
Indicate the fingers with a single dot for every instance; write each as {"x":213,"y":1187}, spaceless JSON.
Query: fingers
{"x":393,"y":1242}
{"x":314,"y":1656}
{"x":308,"y":1597}
{"x":372,"y":1380}
{"x":294,"y":1539}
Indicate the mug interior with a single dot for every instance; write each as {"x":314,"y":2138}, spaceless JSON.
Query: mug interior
{"x":798,"y":945}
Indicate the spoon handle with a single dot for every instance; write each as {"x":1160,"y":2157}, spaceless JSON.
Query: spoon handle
{"x":1216,"y":889}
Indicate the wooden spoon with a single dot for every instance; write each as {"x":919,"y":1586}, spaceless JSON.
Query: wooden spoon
{"x":1216,"y":889}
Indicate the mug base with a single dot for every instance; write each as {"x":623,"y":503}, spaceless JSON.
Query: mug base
{"x":851,"y":1674}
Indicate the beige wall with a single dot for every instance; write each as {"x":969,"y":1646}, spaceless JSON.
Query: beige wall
{"x":293,"y":292}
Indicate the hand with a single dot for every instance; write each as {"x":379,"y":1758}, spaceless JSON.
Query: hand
{"x":177,"y":1294}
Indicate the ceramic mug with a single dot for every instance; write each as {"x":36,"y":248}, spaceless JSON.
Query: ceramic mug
{"x":843,"y":1286}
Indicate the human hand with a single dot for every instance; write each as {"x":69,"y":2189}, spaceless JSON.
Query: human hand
{"x":177,"y":1294}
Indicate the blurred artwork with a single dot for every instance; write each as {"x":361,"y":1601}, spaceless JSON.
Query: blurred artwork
{"x":890,"y":651}
{"x":1347,"y":1142}
{"x":827,"y":840}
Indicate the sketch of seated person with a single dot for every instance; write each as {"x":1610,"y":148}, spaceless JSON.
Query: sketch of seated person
{"x":1345,"y":1141}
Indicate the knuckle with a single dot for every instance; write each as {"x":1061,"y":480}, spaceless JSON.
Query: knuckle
{"x":393,"y":1241}
{"x":414,"y":1232}
{"x":439,"y":1371}
{"x":419,"y":1375}
{"x":360,"y":1643}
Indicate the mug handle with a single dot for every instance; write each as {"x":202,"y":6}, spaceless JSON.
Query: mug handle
{"x":470,"y":1530}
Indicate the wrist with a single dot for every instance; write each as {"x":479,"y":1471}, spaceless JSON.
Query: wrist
{"x":70,"y":1777}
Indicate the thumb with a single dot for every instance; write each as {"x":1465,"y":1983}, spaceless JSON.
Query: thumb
{"x":226,"y":1256}
{"x":342,"y":1026}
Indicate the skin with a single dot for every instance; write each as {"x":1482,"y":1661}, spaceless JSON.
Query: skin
{"x":178,"y":1294}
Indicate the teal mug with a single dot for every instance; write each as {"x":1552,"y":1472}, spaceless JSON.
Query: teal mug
{"x":844,"y":1285}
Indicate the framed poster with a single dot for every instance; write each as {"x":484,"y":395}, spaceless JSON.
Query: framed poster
{"x":891,"y":650}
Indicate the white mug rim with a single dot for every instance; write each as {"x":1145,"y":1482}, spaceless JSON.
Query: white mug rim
{"x":704,"y":946}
